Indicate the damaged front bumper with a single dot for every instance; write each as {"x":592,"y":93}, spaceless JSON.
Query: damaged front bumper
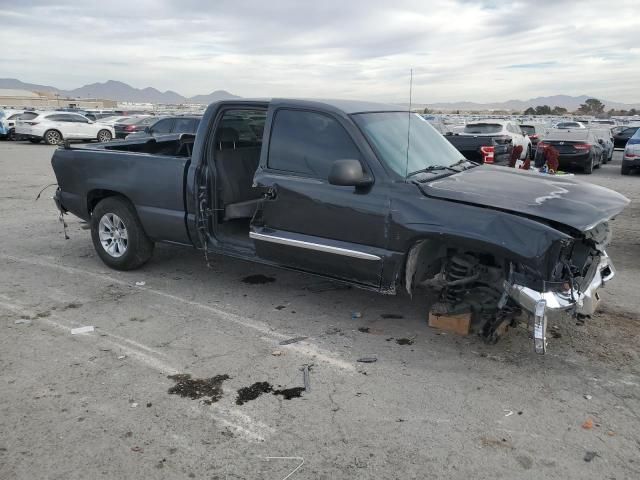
{"x":550,"y":305}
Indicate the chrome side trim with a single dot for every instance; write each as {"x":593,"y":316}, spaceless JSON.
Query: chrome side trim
{"x":313,"y":246}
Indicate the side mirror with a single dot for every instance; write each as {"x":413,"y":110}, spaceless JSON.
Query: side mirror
{"x":348,"y":173}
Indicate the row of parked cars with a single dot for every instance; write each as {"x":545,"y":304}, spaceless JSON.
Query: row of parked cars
{"x":581,"y":144}
{"x":53,"y":127}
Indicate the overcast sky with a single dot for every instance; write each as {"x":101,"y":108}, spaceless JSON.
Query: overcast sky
{"x":484,"y":50}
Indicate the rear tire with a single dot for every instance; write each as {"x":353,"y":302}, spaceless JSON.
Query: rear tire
{"x":12,"y":135}
{"x":597,"y":165}
{"x":52,"y":137}
{"x":118,"y":236}
{"x":588,"y":168}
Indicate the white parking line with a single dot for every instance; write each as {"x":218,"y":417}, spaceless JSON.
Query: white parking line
{"x":232,"y":418}
{"x":303,"y":348}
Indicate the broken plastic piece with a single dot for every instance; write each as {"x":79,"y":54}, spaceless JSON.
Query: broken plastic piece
{"x":141,"y":284}
{"x":540,"y":327}
{"x":367,"y":360}
{"x":81,"y":330}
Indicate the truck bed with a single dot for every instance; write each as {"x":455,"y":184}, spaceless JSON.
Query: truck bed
{"x":150,"y":173}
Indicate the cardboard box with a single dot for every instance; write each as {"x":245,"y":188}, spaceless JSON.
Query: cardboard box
{"x":459,"y":324}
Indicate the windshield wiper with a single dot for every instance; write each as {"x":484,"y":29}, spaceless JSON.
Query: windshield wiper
{"x":430,"y":168}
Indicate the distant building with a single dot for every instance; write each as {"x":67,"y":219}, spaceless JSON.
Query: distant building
{"x":28,"y":99}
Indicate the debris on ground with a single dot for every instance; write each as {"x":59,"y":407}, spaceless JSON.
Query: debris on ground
{"x":367,"y":360}
{"x":588,"y":397}
{"x":289,"y":341}
{"x":277,"y":353}
{"x":588,"y":456}
{"x":23,"y":321}
{"x":588,"y":424}
{"x":405,"y":341}
{"x":363,"y":329}
{"x":140,"y":284}
{"x":81,"y":330}
{"x":134,"y":405}
{"x":289,"y":393}
{"x":495,"y":442}
{"x":258,"y":279}
{"x":121,"y":357}
{"x":332,"y":331}
{"x":355,"y":315}
{"x":252,"y":392}
{"x":195,"y":388}
{"x":391,"y":316}
{"x":509,"y":413}
{"x":281,"y":307}
{"x":137,"y":449}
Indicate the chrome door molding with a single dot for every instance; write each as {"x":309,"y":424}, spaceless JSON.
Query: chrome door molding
{"x":314,"y":246}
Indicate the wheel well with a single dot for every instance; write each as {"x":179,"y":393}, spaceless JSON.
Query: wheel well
{"x":95,"y":196}
{"x":54,"y":130}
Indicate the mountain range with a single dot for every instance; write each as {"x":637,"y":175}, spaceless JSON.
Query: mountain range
{"x":114,"y":90}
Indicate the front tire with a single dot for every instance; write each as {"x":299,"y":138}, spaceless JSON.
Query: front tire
{"x":118,"y":236}
{"x":52,"y":137}
{"x":104,"y":136}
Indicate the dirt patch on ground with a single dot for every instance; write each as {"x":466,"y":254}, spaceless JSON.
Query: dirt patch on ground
{"x":195,"y":388}
{"x":246,"y":394}
{"x":258,"y":279}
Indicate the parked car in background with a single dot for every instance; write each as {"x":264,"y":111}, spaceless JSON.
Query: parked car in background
{"x":132,"y":124}
{"x":54,"y":127}
{"x":96,"y":116}
{"x":631,"y":156}
{"x":604,"y":121}
{"x":438,"y":124}
{"x":535,"y":132}
{"x":603,"y":133}
{"x":13,"y":119}
{"x":165,"y":125}
{"x":576,"y":148}
{"x":569,"y":125}
{"x":504,"y":131}
{"x":621,"y":138}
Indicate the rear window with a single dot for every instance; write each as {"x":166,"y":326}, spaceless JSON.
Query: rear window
{"x":529,"y":130}
{"x":483,"y":128}
{"x":568,"y":125}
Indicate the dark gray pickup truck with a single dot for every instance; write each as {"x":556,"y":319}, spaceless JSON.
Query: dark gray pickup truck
{"x":358,"y":192}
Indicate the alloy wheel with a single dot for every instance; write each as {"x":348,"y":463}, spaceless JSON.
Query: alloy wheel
{"x":113,"y":235}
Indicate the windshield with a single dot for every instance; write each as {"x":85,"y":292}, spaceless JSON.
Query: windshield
{"x":388,"y":131}
{"x":483,"y":128}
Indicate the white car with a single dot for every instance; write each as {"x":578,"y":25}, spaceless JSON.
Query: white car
{"x":54,"y":127}
{"x":501,"y":128}
{"x":569,"y":125}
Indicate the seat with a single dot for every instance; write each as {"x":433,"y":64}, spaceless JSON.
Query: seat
{"x":236,"y":167}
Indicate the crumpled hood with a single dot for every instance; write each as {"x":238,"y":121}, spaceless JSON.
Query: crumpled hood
{"x":561,"y":199}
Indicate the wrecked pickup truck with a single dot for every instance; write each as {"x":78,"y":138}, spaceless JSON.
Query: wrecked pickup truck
{"x":359,"y":192}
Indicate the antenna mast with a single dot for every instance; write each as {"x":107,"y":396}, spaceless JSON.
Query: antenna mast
{"x":409,"y":121}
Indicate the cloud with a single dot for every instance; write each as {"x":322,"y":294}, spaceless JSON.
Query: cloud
{"x":484,"y":51}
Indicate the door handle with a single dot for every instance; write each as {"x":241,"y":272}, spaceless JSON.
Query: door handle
{"x":270,"y":194}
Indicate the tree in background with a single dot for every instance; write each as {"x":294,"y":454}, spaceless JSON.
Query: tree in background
{"x":559,"y":111}
{"x":530,"y":111}
{"x":543,"y":110}
{"x":591,"y":106}
{"x":426,"y":110}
